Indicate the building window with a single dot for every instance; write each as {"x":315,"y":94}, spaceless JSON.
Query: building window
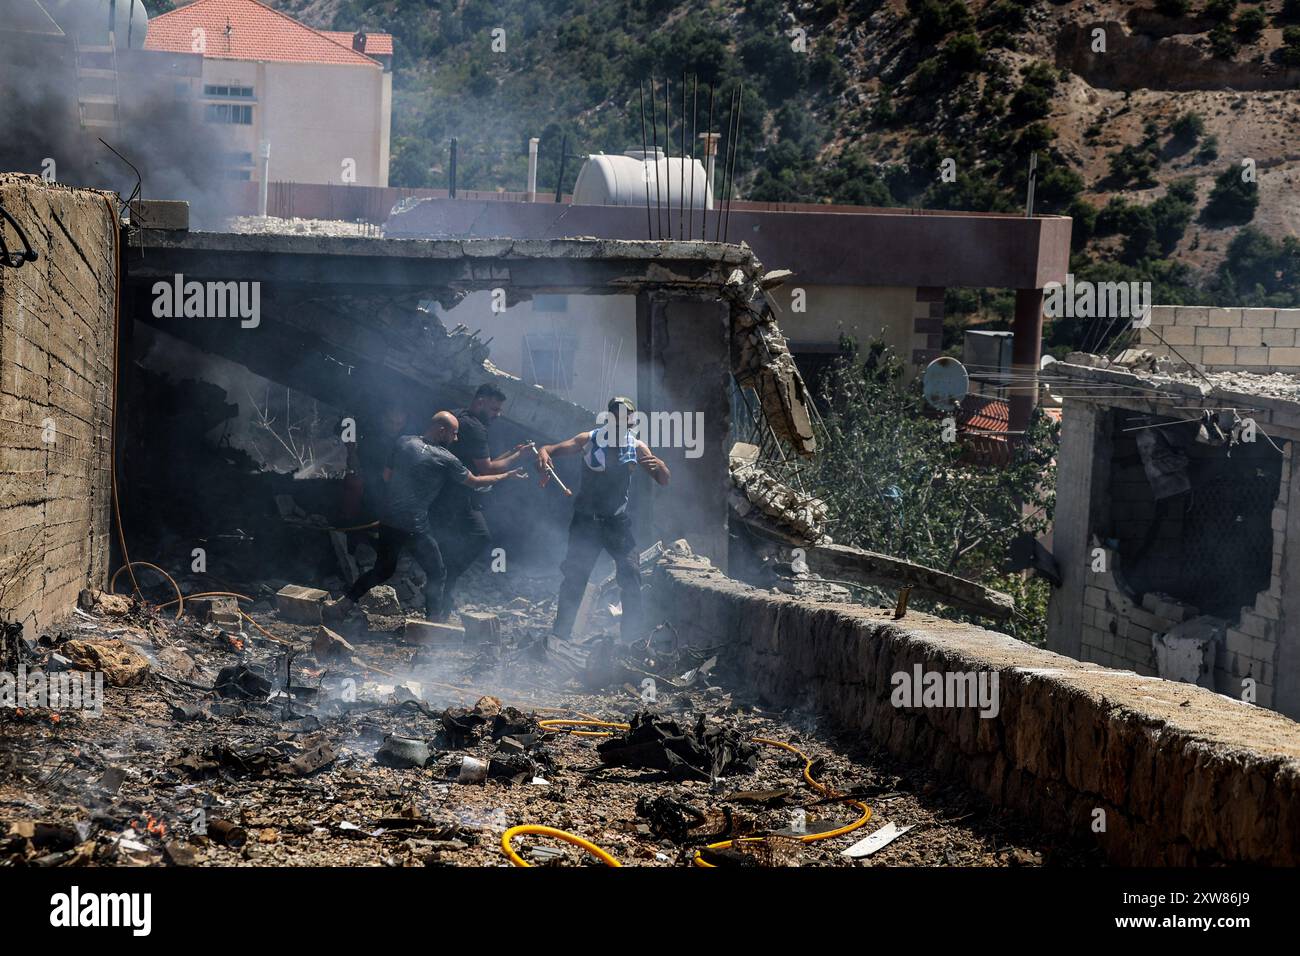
{"x":548,"y":360}
{"x":239,"y":175}
{"x":228,"y":113}
{"x":244,"y":92}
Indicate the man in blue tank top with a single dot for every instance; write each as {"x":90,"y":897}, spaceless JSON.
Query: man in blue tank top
{"x":600,"y":520}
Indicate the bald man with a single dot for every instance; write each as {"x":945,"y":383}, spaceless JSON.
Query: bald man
{"x":421,"y":466}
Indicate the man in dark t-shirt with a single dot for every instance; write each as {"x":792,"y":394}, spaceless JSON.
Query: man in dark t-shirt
{"x":458,"y":511}
{"x":421,"y":467}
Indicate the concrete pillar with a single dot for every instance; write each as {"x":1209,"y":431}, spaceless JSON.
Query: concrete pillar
{"x":1082,"y":483}
{"x":1026,"y":352}
{"x":532,"y":169}
{"x":683,"y":369}
{"x":1286,"y":687}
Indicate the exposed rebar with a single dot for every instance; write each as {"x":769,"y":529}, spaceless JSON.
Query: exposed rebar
{"x":731,"y":183}
{"x":640,"y":89}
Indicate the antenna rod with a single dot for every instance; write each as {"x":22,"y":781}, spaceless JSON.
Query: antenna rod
{"x":717,"y":226}
{"x":709,"y":153}
{"x":695,"y":128}
{"x":681,"y":169}
{"x":564,"y":154}
{"x":654,"y":127}
{"x":640,"y":91}
{"x":731,"y":185}
{"x":668,"y":152}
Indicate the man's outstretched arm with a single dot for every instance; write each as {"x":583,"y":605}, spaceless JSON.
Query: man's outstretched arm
{"x":655,"y":466}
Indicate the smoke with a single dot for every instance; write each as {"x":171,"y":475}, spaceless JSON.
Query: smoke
{"x":160,"y":129}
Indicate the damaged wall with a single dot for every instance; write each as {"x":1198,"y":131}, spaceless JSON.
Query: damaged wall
{"x":1104,"y":613}
{"x":1184,"y":776}
{"x":56,"y":381}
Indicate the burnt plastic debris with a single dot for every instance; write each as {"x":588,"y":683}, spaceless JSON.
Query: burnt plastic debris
{"x":460,"y":727}
{"x":242,"y":681}
{"x":701,"y":752}
{"x":402,"y":752}
{"x":513,"y":723}
{"x":670,"y":819}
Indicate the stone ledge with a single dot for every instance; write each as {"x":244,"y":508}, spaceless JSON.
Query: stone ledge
{"x":1186,"y":776}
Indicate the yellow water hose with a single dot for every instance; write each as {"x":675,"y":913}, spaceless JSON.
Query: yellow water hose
{"x":820,"y":787}
{"x":180,"y":598}
{"x":577,"y":841}
{"x":596,"y":851}
{"x":189,"y":597}
{"x":565,"y":724}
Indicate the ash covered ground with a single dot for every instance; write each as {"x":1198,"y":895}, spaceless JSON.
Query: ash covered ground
{"x":251,"y":741}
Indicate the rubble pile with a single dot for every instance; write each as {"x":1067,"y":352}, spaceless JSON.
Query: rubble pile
{"x":761,"y":359}
{"x":799,"y":514}
{"x":240,"y":737}
{"x":1164,"y":368}
{"x":265,"y":225}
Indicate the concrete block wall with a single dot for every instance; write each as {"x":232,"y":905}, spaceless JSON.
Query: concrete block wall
{"x":56,"y":368}
{"x":1257,"y":340}
{"x":1116,"y":631}
{"x":1184,"y":775}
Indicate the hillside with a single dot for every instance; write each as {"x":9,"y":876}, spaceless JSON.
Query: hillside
{"x":1131,"y":140}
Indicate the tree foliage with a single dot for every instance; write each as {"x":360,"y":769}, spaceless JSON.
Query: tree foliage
{"x":894,"y":485}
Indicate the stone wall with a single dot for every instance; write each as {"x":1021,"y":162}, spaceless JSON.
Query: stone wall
{"x":1253,"y":340}
{"x":56,"y":373}
{"x":1183,"y":775}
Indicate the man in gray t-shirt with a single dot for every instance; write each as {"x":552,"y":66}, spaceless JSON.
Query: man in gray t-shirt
{"x":421,"y":467}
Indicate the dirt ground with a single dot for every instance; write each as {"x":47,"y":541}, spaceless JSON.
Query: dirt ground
{"x":175,"y":774}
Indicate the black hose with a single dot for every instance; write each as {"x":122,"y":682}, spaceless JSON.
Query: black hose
{"x":15,"y":260}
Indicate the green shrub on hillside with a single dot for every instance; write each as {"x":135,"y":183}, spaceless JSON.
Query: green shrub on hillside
{"x":1233,"y":201}
{"x":1250,"y":24}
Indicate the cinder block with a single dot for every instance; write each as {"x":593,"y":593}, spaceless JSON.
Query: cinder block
{"x":204,"y":608}
{"x":1238,"y":642}
{"x":1224,"y":318}
{"x":1208,"y":336}
{"x":169,"y":214}
{"x":1258,"y":318}
{"x":1287,"y":319}
{"x":1284,"y":357}
{"x":1279,"y":338}
{"x":300,"y":605}
{"x":1177,"y":335}
{"x":1193,"y":315}
{"x":1258,"y":627}
{"x":1266,"y":605}
{"x":1219,"y":355}
{"x":1251,"y":338}
{"x":481,"y":628}
{"x":418,"y":631}
{"x":1252,"y":356}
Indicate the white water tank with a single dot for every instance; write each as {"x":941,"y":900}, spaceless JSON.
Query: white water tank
{"x":89,"y":19}
{"x":612,"y":180}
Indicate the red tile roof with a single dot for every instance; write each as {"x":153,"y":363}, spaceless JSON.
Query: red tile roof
{"x":982,"y":413}
{"x":377,"y":44}
{"x":256,"y":33}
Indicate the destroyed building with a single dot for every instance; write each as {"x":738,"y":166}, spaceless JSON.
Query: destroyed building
{"x":248,"y":693}
{"x":1175,"y":532}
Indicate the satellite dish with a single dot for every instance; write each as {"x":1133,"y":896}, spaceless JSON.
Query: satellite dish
{"x":945,"y":383}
